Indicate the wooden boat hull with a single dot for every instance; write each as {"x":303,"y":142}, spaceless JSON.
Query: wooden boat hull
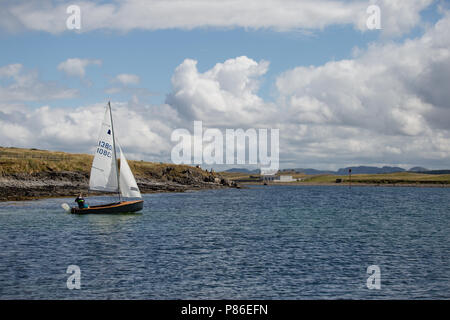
{"x":117,"y":207}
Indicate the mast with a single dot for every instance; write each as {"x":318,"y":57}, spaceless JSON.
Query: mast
{"x":115,"y":154}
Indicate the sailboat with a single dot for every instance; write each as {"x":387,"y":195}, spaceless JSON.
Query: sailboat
{"x":106,"y":176}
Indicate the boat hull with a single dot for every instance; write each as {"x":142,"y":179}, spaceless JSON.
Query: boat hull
{"x":112,"y":208}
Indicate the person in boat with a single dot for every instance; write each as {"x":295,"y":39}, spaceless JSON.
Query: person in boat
{"x":80,"y":201}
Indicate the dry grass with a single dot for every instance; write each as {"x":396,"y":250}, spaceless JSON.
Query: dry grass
{"x":390,"y":178}
{"x":29,"y":161}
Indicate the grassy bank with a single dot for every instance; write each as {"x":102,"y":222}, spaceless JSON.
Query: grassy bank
{"x":32,"y":161}
{"x":390,"y":178}
{"x":399,"y":178}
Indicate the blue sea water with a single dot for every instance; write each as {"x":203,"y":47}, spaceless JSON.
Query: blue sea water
{"x":272,"y":242}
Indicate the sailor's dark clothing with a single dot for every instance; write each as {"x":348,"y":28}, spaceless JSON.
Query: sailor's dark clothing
{"x":81,"y":203}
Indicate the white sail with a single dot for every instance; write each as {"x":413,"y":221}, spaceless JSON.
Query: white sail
{"x":104,"y":168}
{"x":128,"y":185}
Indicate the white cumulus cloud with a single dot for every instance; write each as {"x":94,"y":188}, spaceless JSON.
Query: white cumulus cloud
{"x":77,"y":67}
{"x":143,"y":131}
{"x":25,"y":85}
{"x":397,"y":17}
{"x":127,"y":79}
{"x":223,"y":95}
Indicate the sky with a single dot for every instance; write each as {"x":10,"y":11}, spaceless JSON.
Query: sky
{"x":340,"y":94}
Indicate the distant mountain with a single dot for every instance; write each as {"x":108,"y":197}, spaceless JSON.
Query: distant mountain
{"x":355,"y":170}
{"x":344,"y":171}
{"x":418,"y":169}
{"x":311,"y":171}
{"x":369,"y":170}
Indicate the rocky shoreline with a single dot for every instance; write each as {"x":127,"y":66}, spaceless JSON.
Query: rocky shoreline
{"x":21,"y":186}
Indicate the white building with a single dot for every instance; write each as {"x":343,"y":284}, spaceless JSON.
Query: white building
{"x":283,"y":178}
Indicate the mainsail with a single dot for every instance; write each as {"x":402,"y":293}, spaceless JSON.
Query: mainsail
{"x":104,"y":168}
{"x":104,"y":174}
{"x":128,"y":185}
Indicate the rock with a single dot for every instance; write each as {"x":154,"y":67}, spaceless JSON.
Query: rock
{"x":226,"y":182}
